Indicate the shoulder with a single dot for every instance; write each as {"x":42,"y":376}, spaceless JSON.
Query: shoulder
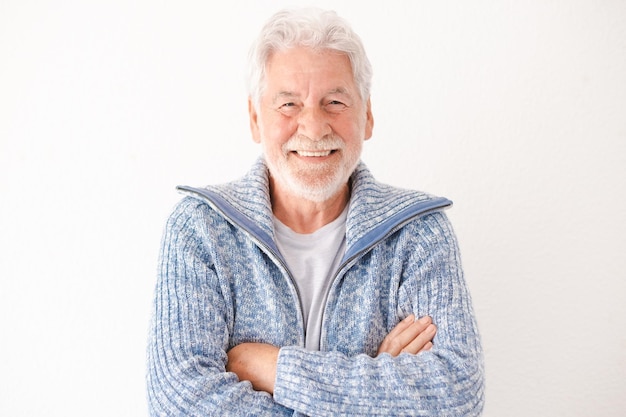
{"x":187,"y":215}
{"x":369,"y":192}
{"x":377,"y":209}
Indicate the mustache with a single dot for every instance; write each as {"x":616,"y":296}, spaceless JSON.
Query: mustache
{"x":301,"y":142}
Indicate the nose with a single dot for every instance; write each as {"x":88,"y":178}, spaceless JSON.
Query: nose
{"x":313,"y":123}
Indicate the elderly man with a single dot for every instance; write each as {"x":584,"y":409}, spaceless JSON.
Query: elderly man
{"x":306,"y":287}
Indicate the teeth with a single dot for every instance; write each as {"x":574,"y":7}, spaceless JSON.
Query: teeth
{"x":313,"y":153}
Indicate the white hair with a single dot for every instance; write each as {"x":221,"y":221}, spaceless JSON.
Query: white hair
{"x":313,"y":28}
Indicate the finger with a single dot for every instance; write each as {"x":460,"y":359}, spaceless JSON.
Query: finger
{"x":427,"y":346}
{"x":400,"y":327}
{"x":404,"y":335}
{"x":409,"y":334}
{"x":421,"y":340}
{"x":385,"y":346}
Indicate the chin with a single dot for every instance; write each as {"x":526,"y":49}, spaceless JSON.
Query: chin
{"x":317,"y":183}
{"x":317,"y":190}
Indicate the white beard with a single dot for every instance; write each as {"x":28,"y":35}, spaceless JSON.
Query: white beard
{"x":314,"y":182}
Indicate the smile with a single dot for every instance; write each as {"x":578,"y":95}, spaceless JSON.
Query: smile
{"x":314,"y":153}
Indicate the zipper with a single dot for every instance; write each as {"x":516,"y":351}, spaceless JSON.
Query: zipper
{"x":348,"y":263}
{"x":269,"y":251}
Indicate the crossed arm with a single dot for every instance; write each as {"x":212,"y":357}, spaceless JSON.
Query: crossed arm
{"x":256,"y":362}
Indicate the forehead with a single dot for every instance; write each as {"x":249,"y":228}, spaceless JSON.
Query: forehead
{"x":300,"y":65}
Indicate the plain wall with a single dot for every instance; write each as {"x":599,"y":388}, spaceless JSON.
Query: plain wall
{"x":514,"y":110}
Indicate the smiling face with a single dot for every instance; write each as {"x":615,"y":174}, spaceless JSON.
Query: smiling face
{"x":311,"y":122}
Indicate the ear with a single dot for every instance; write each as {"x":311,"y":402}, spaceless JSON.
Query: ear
{"x":254,"y":121}
{"x":369,"y":121}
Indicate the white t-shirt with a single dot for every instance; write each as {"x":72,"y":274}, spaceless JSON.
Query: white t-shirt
{"x":313,"y":260}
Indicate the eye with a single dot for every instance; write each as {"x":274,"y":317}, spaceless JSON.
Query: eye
{"x":288,"y":108}
{"x":335,"y":106}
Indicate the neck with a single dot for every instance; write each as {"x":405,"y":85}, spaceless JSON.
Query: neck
{"x":306,"y":216}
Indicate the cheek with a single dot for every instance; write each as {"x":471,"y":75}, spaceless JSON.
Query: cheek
{"x":278,"y":130}
{"x":351,"y":131}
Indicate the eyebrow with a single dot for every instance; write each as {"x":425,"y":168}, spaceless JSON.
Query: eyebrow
{"x":283,"y":94}
{"x":290,"y":94}
{"x":339,"y":90}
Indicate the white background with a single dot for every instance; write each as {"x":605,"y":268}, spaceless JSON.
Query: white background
{"x":514,"y":110}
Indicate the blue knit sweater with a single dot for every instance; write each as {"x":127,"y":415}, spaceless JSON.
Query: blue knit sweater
{"x":222,"y":281}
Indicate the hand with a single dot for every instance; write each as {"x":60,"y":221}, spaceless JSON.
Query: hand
{"x":410,"y":335}
{"x":254,"y":362}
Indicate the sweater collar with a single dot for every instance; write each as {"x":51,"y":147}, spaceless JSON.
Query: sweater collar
{"x":375,"y":209}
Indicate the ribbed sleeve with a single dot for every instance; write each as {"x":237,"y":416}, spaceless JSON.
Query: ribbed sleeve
{"x":446,"y":381}
{"x":189,"y":334}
